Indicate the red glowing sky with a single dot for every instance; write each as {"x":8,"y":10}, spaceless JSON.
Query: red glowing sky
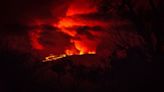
{"x":76,"y":31}
{"x":70,"y":27}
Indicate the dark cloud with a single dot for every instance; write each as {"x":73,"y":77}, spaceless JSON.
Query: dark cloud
{"x":54,"y":41}
{"x":16,"y":10}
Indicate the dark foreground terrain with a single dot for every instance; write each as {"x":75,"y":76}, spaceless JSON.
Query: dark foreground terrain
{"x":84,"y":73}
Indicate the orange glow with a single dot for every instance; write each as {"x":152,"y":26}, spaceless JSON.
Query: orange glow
{"x":53,"y":57}
{"x":68,"y":24}
{"x":91,"y":52}
{"x":69,"y":52}
{"x":64,"y":24}
{"x":83,"y":45}
{"x":77,"y":28}
{"x":79,"y":43}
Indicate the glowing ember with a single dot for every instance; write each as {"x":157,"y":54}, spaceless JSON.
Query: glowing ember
{"x":55,"y":57}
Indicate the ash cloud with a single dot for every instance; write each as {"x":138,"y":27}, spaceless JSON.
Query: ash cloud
{"x":93,"y":21}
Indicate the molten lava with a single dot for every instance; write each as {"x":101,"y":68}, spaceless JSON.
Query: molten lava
{"x":81,"y":44}
{"x":55,"y":57}
{"x":69,"y":24}
{"x":82,"y":29}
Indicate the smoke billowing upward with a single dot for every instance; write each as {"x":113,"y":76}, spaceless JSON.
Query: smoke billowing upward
{"x":74,"y":27}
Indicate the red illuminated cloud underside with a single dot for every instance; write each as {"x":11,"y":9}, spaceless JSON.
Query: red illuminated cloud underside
{"x":84,"y":34}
